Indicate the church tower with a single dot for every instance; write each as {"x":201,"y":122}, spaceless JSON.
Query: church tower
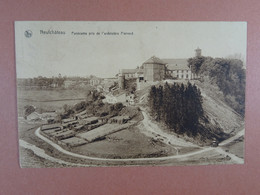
{"x":198,"y":52}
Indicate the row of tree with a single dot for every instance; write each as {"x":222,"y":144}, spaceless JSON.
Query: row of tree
{"x":42,"y":82}
{"x":178,"y":106}
{"x":228,"y":74}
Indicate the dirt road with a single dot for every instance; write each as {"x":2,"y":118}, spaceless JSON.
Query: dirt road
{"x":229,"y":140}
{"x":41,"y":153}
{"x":165,"y":137}
{"x":150,"y":126}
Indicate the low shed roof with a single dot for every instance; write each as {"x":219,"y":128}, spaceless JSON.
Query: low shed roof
{"x":51,"y":126}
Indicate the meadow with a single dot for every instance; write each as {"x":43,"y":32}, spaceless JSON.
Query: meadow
{"x":48,"y":100}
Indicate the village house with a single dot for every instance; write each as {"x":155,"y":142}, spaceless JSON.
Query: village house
{"x":119,"y":119}
{"x":68,"y":83}
{"x":35,"y":116}
{"x":127,"y":99}
{"x":95,"y":81}
{"x":113,"y":99}
{"x":130,"y":99}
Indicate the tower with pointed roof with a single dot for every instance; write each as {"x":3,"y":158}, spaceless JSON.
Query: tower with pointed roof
{"x":198,"y":52}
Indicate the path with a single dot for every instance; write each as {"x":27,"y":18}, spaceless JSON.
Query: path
{"x":229,"y":140}
{"x":167,"y":138}
{"x":40,"y":152}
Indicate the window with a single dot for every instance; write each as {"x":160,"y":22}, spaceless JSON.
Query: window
{"x":187,"y":76}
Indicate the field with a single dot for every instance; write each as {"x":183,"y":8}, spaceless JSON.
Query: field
{"x":102,"y":131}
{"x":128,"y":143}
{"x":49,"y":100}
{"x":236,"y":147}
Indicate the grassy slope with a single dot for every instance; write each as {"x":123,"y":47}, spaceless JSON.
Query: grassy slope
{"x":217,"y":110}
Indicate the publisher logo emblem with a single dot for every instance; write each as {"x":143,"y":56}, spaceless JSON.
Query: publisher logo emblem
{"x":28,"y":33}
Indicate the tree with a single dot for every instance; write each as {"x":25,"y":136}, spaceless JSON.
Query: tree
{"x":195,"y":63}
{"x":178,"y":106}
{"x":228,"y":75}
{"x":80,"y":106}
{"x":28,"y":109}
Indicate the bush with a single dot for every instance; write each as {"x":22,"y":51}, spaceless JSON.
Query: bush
{"x":104,"y":114}
{"x":50,"y":121}
{"x":80,"y":106}
{"x":28,"y":109}
{"x":68,"y":112}
{"x":118,"y":106}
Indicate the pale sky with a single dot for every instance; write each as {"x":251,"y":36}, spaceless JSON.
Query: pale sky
{"x":103,"y":55}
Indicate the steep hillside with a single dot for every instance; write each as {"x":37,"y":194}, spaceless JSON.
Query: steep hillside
{"x":218,"y":112}
{"x":218,"y":121}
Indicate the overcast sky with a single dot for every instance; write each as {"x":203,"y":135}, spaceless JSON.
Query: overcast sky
{"x":103,"y":55}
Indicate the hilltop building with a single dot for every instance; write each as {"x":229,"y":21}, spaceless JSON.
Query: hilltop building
{"x":178,"y":69}
{"x":156,"y":69}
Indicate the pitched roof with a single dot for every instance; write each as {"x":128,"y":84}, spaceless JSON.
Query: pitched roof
{"x":34,"y":115}
{"x":176,"y":64}
{"x":128,"y":71}
{"x":154,"y":60}
{"x":140,"y":71}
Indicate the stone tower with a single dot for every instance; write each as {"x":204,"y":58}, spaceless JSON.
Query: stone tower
{"x":198,"y":52}
{"x":121,"y":81}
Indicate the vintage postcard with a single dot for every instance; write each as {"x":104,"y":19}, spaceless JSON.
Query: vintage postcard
{"x":130,"y":93}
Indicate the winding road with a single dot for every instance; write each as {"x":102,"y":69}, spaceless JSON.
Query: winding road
{"x":57,"y":147}
{"x":40,"y":152}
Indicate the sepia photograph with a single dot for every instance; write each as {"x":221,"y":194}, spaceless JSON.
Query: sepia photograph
{"x":130,"y":93}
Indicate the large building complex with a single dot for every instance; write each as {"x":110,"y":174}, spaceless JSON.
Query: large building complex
{"x":156,"y":69}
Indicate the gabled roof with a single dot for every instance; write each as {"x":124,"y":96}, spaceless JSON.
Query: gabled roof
{"x":128,"y":71}
{"x":154,"y":60}
{"x":176,"y":64}
{"x":140,"y":71}
{"x":34,"y":115}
